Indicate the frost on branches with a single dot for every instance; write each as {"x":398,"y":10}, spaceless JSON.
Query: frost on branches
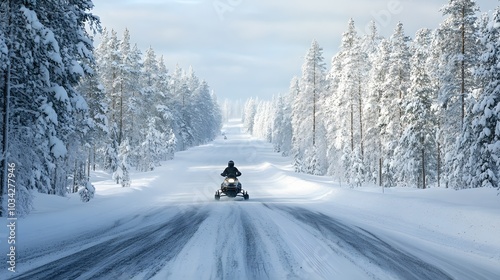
{"x":47,"y":49}
{"x":77,"y":109}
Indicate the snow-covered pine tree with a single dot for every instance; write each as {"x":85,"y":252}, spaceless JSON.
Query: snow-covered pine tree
{"x":376,"y":128}
{"x":111,"y":150}
{"x":108,"y":62}
{"x":170,"y":145}
{"x":98,"y":102}
{"x":391,"y":111}
{"x":249,"y":112}
{"x":371,"y":108}
{"x":216,"y":114}
{"x":49,"y":50}
{"x":306,"y":107}
{"x":484,"y":159}
{"x":121,"y":175}
{"x":109,"y":69}
{"x":204,"y":114}
{"x":352,"y":93}
{"x":415,"y":159}
{"x":457,"y":40}
{"x":181,"y":94}
{"x":87,"y":192}
{"x":132,"y":100}
{"x":334,"y":121}
{"x":265,"y":119}
{"x":145,"y":112}
{"x":282,"y":126}
{"x":153,"y":145}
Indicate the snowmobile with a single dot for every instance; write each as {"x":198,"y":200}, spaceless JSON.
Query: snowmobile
{"x":231,"y":187}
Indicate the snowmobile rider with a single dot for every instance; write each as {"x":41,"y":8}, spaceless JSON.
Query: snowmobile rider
{"x":231,"y":171}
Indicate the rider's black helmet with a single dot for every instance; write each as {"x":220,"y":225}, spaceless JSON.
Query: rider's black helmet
{"x":230,"y":163}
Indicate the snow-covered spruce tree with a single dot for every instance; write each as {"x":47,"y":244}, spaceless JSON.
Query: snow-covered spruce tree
{"x":48,"y":51}
{"x":457,"y":39}
{"x":484,"y":159}
{"x":352,"y":93}
{"x":282,"y":127}
{"x":129,"y":89}
{"x":320,"y":163}
{"x":188,"y":107}
{"x":259,"y":119}
{"x":170,"y":145}
{"x":216,"y":114}
{"x":263,"y":123}
{"x":98,"y":102}
{"x":87,"y":192}
{"x":370,"y":44}
{"x":181,"y":95}
{"x":151,"y":148}
{"x":123,"y":80}
{"x":334,"y":121}
{"x":376,"y":131}
{"x":357,"y":168}
{"x":119,"y":70}
{"x":164,"y":122}
{"x":278,"y":111}
{"x":121,"y":175}
{"x":202,"y":113}
{"x":395,"y":91}
{"x":305,"y":110}
{"x":205,"y":112}
{"x":85,"y":156}
{"x":415,"y":156}
{"x":108,"y":61}
{"x":145,"y":136}
{"x":249,"y":112}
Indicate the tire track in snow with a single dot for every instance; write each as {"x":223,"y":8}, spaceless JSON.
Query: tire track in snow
{"x":249,"y":245}
{"x":267,"y":253}
{"x":257,"y":267}
{"x":355,"y":241}
{"x":142,"y":252}
{"x":229,"y":262}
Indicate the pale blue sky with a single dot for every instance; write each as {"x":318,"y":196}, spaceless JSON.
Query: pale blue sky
{"x":247,"y":48}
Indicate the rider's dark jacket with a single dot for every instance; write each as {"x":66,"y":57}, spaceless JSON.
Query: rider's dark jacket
{"x":231,"y":172}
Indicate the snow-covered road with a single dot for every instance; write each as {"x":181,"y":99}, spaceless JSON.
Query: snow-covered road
{"x":295,"y":226}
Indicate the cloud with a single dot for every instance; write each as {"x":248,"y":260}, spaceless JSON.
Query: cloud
{"x":257,"y":46}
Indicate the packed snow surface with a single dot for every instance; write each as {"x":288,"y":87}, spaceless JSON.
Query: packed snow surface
{"x":294,"y":226}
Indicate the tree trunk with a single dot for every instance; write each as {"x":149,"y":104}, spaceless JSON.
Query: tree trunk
{"x":314,"y":104}
{"x":380,"y":171}
{"x":423,"y":168}
{"x":120,"y":132}
{"x":93,"y":159}
{"x":89,"y":163}
{"x":361,"y":123}
{"x":352,"y":126}
{"x":462,"y":93}
{"x":438,"y":164}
